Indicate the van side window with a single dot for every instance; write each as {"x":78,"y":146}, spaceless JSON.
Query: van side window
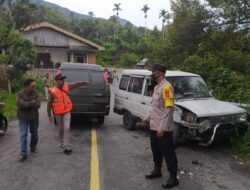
{"x":135,"y":85}
{"x":149,"y":89}
{"x":124,"y":82}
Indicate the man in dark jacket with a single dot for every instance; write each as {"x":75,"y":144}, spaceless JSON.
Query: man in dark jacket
{"x":28,"y":104}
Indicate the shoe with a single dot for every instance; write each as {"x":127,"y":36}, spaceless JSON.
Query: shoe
{"x":67,"y":150}
{"x":172,"y":182}
{"x":22,"y":157}
{"x":156,"y":173}
{"x":34,"y":150}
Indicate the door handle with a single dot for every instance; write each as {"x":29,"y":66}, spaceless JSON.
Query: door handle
{"x":143,"y":103}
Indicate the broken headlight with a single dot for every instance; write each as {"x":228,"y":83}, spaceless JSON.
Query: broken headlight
{"x":242,"y":117}
{"x":189,"y":117}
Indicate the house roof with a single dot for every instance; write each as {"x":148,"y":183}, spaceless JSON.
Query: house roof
{"x":65,"y":32}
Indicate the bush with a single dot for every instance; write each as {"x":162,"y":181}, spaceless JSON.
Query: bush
{"x":40,"y":88}
{"x":241,"y":146}
{"x":17,"y":82}
{"x":9,"y":110}
{"x":129,"y":60}
{"x":227,"y":84}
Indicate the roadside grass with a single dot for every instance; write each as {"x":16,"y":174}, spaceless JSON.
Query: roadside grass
{"x":10,"y":109}
{"x":241,"y":146}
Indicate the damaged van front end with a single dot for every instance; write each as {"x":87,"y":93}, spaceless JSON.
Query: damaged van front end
{"x":209,"y":120}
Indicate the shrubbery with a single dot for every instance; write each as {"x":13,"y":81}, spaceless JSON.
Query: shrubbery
{"x":128,"y":60}
{"x":9,"y":109}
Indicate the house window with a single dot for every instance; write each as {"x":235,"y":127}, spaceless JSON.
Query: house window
{"x":80,"y":58}
{"x":43,"y":60}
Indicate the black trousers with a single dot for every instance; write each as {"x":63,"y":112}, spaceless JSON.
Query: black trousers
{"x":164,"y":148}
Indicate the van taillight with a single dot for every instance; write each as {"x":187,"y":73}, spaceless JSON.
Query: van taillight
{"x":105,"y":76}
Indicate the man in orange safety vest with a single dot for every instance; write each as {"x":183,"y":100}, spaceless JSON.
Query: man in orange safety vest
{"x":61,"y":104}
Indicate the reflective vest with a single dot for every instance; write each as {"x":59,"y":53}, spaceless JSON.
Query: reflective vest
{"x":61,"y":101}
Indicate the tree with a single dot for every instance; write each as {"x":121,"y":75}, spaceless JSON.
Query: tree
{"x":165,"y":16}
{"x":22,"y":13}
{"x":190,"y":26}
{"x":17,"y":54}
{"x":145,"y":10}
{"x":232,"y":13}
{"x":116,"y":8}
{"x":91,"y":14}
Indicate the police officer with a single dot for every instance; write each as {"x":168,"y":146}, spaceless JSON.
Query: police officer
{"x":161,"y":127}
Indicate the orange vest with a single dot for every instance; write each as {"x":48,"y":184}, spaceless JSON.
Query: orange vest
{"x":61,"y":101}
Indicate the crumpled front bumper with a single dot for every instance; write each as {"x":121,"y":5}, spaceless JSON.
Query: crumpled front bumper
{"x":207,"y":134}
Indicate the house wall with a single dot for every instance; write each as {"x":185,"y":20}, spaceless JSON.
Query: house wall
{"x":56,"y":55}
{"x":58,"y":45}
{"x":73,"y":42}
{"x":62,"y":55}
{"x":50,"y":37}
{"x":59,"y":56}
{"x":47,"y":37}
{"x":92,"y":58}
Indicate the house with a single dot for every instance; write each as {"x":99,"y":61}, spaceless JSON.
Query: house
{"x":56,"y":45}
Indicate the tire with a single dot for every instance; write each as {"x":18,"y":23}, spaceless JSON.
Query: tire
{"x":129,"y":122}
{"x":101,"y":119}
{"x":176,"y":135}
{"x":3,"y":125}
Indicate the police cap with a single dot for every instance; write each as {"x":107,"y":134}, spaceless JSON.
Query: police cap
{"x":158,"y":67}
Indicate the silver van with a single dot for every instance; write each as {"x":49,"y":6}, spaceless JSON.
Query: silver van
{"x":197,"y":115}
{"x":94,"y":99}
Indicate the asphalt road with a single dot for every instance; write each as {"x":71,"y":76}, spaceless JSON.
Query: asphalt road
{"x":123,"y":158}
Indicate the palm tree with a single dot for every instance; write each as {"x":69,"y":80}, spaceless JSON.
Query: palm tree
{"x":117,"y":8}
{"x":165,"y":16}
{"x":145,"y":9}
{"x":91,"y":14}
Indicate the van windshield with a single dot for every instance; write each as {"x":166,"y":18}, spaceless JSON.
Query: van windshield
{"x":189,"y":87}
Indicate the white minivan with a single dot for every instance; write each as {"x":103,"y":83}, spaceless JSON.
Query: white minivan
{"x":197,"y":115}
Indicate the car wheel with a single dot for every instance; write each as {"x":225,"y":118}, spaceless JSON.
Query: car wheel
{"x":129,"y":122}
{"x":100,"y":119}
{"x":3,"y":125}
{"x":176,"y":134}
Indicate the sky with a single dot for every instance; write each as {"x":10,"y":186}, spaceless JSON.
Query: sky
{"x":130,"y":9}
